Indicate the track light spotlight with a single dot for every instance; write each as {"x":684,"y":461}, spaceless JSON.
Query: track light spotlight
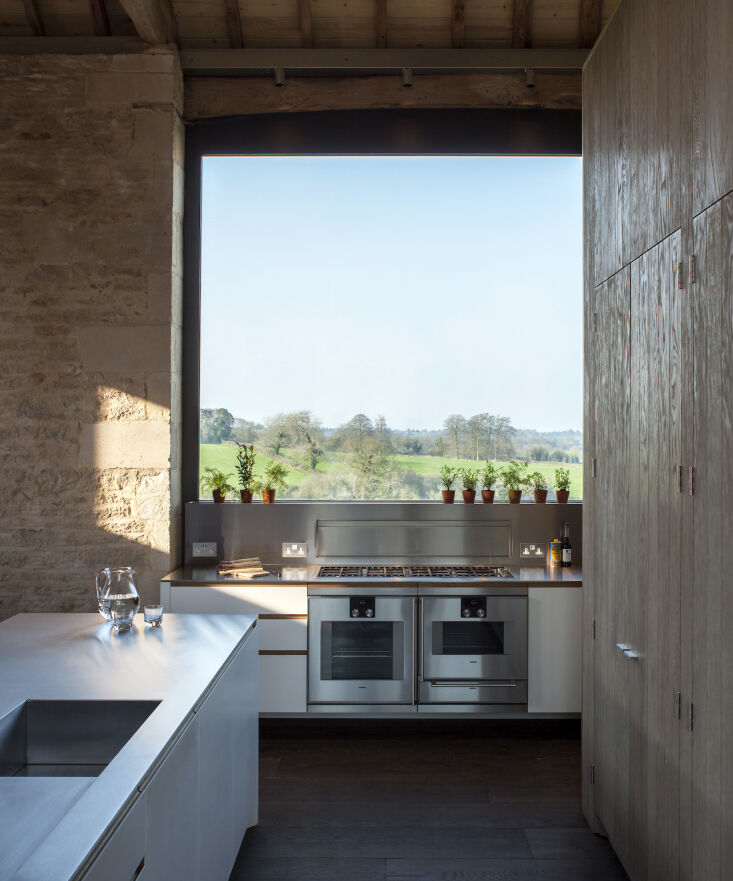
{"x":279,"y":76}
{"x":529,"y":77}
{"x":406,"y":77}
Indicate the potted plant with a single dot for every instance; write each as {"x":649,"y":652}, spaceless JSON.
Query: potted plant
{"x":538,"y":482}
{"x":488,"y":476}
{"x":469,"y":479}
{"x":218,"y":482}
{"x":448,"y":476}
{"x":273,"y":479}
{"x":514,"y":477}
{"x":245,"y":470}
{"x":562,"y":485}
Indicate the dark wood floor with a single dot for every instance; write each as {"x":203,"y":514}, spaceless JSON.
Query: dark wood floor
{"x":422,"y":801}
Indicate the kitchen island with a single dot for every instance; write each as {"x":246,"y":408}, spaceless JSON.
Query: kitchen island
{"x":176,"y":798}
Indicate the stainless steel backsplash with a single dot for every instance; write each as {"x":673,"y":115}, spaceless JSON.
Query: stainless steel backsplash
{"x":401,"y":532}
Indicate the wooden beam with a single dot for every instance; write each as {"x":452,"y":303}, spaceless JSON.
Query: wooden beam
{"x":33,"y":14}
{"x":234,"y":24}
{"x":522,"y":24}
{"x":100,"y":18}
{"x":380,"y":23}
{"x":71,"y":45}
{"x":261,"y":62}
{"x":154,"y":20}
{"x":211,"y":97}
{"x":589,"y":25}
{"x":306,"y":24}
{"x":457,"y":19}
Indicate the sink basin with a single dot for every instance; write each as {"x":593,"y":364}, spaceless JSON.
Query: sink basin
{"x":41,"y":738}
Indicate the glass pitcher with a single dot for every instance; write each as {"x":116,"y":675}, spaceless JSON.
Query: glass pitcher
{"x":116,"y":592}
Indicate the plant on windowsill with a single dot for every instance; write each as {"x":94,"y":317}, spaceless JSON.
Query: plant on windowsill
{"x":514,"y":477}
{"x":272,"y":480}
{"x":562,"y":485}
{"x":217,"y":482}
{"x":469,"y":479}
{"x":538,"y":482}
{"x":245,"y":470}
{"x":448,"y":476}
{"x":488,"y":476}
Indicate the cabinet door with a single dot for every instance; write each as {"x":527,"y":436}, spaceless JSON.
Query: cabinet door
{"x":554,"y":619}
{"x":123,"y":857}
{"x":711,"y":811}
{"x":245,"y":737}
{"x":654,"y":534}
{"x":283,"y":683}
{"x":610,"y":554}
{"x":172,"y":819}
{"x":241,"y":599}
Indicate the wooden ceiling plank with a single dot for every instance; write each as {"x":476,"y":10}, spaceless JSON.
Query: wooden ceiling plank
{"x":306,"y":24}
{"x":522,"y":24}
{"x":380,"y":17}
{"x":458,"y":16}
{"x":33,"y":14}
{"x":98,"y":8}
{"x":589,"y":25}
{"x":234,"y":24}
{"x":154,"y":20}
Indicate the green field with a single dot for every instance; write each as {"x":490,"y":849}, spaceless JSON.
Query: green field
{"x":301,"y":478}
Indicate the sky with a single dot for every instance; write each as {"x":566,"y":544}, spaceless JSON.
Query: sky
{"x":408,"y":287}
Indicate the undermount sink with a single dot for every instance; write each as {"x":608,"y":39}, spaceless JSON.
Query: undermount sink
{"x":67,"y":738}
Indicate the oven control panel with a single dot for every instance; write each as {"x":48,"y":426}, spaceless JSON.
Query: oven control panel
{"x":361,"y":607}
{"x":473,"y":607}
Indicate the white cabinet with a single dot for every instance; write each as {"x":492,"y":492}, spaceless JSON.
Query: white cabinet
{"x":123,"y":858}
{"x":282,"y":626}
{"x":171,"y":799}
{"x":554,"y":619}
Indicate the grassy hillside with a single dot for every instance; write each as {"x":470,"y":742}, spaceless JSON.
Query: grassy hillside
{"x":328,"y":480}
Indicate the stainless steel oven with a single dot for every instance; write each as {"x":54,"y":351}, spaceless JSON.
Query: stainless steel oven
{"x":361,"y":648}
{"x":474,"y":648}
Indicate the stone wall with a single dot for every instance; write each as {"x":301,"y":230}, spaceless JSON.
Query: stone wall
{"x":91,"y":196}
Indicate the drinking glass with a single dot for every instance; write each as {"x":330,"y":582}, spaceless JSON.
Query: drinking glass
{"x":153,"y":615}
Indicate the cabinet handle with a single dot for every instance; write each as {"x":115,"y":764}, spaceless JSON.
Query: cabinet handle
{"x":632,"y":655}
{"x":136,"y":874}
{"x":622,"y":647}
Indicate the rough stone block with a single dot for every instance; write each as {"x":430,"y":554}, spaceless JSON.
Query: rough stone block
{"x":125,"y":445}
{"x":120,"y":349}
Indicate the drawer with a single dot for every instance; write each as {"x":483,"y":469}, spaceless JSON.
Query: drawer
{"x":240,"y":599}
{"x":123,"y":857}
{"x":283,"y":633}
{"x":283,"y":683}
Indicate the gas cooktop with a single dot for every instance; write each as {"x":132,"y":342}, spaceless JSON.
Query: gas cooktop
{"x":479,"y":571}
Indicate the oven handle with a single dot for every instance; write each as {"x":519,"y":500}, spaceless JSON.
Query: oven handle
{"x":465,"y":683}
{"x":421,"y":636}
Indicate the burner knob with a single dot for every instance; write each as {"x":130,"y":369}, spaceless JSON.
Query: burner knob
{"x":355,"y":613}
{"x":370,"y":613}
{"x":466,"y":613}
{"x":480,"y":613}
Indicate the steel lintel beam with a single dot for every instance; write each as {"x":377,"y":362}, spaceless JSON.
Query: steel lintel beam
{"x":259,"y":62}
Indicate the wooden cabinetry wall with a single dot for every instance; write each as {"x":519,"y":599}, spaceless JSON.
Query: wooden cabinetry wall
{"x":658,"y":510}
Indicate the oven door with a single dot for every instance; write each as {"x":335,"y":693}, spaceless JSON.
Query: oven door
{"x":361,"y":660}
{"x":491,"y":647}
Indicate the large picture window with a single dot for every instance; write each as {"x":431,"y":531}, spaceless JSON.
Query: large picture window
{"x":368,"y":320}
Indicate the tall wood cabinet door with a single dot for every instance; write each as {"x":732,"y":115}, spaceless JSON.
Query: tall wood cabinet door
{"x":654,"y":604}
{"x":711,"y":809}
{"x":611,"y":570}
{"x":712,"y":74}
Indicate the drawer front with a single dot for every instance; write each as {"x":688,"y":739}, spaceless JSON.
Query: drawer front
{"x":123,"y":857}
{"x":240,"y":599}
{"x":283,"y":683}
{"x":282,"y":634}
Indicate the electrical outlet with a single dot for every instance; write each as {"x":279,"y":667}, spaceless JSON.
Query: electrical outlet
{"x":295,"y":549}
{"x":534,"y":550}
{"x":203,"y":549}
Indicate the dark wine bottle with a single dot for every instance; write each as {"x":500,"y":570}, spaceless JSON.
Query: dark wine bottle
{"x":567,"y":548}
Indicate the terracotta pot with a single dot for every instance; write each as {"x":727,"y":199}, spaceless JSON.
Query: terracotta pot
{"x":540,"y":496}
{"x":268,"y":496}
{"x":515,"y":496}
{"x":469,"y":496}
{"x":488,"y":496}
{"x":448,"y":496}
{"x":562,"y":496}
{"x":245,"y":495}
{"x":219,"y":497}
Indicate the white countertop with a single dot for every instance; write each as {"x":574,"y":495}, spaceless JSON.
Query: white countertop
{"x":52,"y":825}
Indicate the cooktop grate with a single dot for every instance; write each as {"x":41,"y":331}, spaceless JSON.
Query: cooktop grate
{"x":393,"y":571}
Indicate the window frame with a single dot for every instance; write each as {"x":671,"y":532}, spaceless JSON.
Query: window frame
{"x":474,"y":132}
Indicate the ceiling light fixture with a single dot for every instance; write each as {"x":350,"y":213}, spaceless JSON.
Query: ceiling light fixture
{"x":279,"y":76}
{"x":407,"y":77}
